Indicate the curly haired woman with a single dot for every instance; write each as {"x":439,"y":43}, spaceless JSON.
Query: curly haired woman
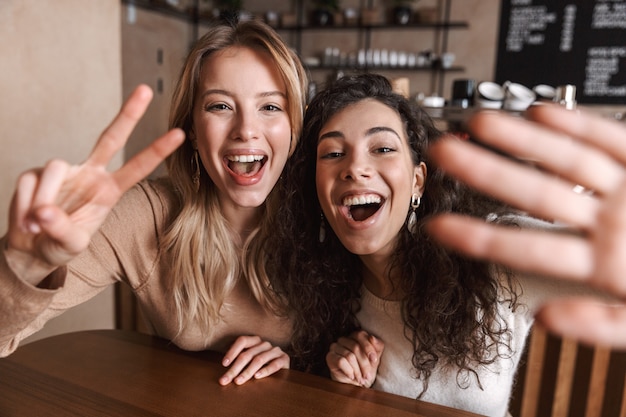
{"x":421,"y":321}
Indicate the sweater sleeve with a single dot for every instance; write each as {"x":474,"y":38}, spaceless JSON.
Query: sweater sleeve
{"x":21,"y":302}
{"x":124,"y":249}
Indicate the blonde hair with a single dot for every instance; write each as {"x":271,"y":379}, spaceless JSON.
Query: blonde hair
{"x":206,"y":261}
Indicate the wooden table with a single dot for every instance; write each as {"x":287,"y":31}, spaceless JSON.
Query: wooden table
{"x":117,"y":373}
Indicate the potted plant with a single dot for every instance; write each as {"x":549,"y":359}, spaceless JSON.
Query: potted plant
{"x":323,"y":12}
{"x":401,"y":11}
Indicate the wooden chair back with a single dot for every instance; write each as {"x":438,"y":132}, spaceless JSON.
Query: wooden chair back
{"x":562,"y":378}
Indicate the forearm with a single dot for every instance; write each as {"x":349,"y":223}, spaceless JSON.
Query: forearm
{"x":22,"y":306}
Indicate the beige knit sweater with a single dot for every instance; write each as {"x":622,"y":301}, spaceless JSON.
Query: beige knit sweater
{"x":126,"y":249}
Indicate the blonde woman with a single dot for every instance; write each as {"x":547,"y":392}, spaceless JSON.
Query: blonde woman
{"x":186,"y":244}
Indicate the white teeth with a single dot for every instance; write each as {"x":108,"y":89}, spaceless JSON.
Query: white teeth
{"x":362,"y":200}
{"x":245,"y":158}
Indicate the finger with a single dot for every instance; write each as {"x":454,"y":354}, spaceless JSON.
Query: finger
{"x":282,"y":361}
{"x":545,"y":253}
{"x":51,"y":179}
{"x":553,"y":150}
{"x":518,"y":185}
{"x":258,"y":361}
{"x":22,"y":202}
{"x":349,"y":363}
{"x":353,"y":349}
{"x":243,"y":360}
{"x":143,"y":163}
{"x":379,"y":345}
{"x":587,"y":321}
{"x":240,"y":344}
{"x":600,"y":132}
{"x":116,"y":134}
{"x":366,"y":345}
{"x":340,"y":369}
{"x":609,"y":242}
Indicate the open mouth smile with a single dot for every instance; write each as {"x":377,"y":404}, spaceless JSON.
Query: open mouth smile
{"x":246,"y":165}
{"x":361,"y":207}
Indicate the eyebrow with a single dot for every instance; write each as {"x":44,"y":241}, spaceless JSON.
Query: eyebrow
{"x":261,"y":95}
{"x":369,"y":132}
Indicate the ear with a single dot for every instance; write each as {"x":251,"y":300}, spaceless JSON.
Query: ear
{"x":194,"y":141}
{"x":419,"y":172}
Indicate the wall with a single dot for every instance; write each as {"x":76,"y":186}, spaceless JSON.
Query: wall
{"x":153,"y":49}
{"x":61,"y":85}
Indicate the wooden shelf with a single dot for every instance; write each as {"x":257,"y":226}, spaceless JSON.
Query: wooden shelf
{"x":382,"y":26}
{"x":384,"y":68}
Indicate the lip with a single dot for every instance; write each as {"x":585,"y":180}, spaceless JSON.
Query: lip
{"x":345,"y":211}
{"x":245,"y":180}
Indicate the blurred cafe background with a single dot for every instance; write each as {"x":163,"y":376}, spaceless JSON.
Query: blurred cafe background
{"x":67,"y":65}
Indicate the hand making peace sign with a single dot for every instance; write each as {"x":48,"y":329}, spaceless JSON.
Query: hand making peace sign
{"x":56,"y":209}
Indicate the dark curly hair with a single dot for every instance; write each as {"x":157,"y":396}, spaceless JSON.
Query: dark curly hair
{"x":450,"y":305}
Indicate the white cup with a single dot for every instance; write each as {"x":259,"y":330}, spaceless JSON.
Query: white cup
{"x":518,"y":97}
{"x":545,"y":92}
{"x":447,"y":60}
{"x":488,"y":104}
{"x":433,"y":101}
{"x":490,"y":90}
{"x":489,"y":95}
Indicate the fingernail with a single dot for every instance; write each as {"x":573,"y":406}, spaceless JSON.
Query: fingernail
{"x":225,"y":361}
{"x":33,"y":228}
{"x":373,"y":357}
{"x":224,"y":380}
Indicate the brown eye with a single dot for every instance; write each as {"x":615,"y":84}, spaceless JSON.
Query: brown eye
{"x":384,"y":149}
{"x":217,"y":107}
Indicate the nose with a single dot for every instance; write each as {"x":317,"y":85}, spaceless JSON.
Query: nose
{"x":355,"y":167}
{"x":246,"y":125}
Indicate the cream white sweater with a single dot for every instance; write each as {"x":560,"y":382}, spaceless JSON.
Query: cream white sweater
{"x":382,"y":318}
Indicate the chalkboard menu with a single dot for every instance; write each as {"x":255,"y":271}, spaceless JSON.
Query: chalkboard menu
{"x":559,"y":42}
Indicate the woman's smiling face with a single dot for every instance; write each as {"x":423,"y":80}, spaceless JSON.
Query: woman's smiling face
{"x":242,"y":126}
{"x":365,"y":176}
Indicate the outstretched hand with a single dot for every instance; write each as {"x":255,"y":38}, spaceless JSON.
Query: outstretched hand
{"x":567,"y":148}
{"x":56,"y":209}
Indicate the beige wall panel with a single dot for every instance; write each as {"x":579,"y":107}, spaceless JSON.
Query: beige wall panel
{"x":153,"y":49}
{"x":61,"y":85}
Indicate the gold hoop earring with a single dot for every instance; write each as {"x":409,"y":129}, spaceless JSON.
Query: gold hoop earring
{"x":411,"y":224}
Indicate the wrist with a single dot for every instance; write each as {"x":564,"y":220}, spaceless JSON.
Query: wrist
{"x":25,"y":266}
